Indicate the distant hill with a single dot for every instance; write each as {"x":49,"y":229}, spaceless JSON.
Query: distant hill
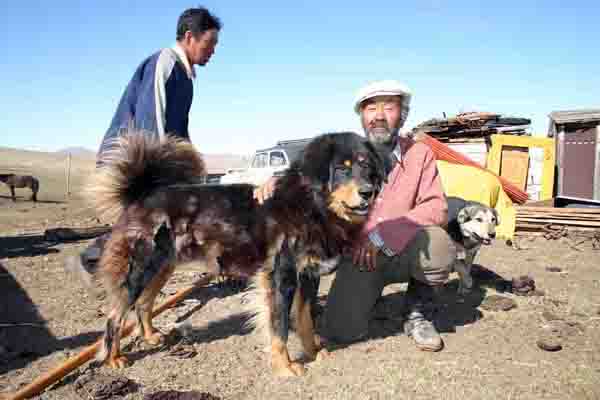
{"x":78,"y":151}
{"x":215,"y":163}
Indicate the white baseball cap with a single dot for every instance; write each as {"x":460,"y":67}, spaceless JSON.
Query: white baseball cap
{"x":383,"y":88}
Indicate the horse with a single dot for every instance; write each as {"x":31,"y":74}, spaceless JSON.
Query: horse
{"x":21,"y":181}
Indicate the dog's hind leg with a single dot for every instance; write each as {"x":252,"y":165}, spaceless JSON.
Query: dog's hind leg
{"x":279,"y":303}
{"x":144,"y":305}
{"x":110,"y":352}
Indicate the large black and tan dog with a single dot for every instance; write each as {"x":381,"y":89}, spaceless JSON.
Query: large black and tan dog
{"x":167,"y":218}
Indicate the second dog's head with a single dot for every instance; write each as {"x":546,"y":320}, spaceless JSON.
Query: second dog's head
{"x":478,"y":223}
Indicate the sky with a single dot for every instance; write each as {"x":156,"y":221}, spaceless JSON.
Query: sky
{"x":285,"y":70}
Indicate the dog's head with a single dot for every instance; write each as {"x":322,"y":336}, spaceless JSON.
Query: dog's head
{"x":345,"y":173}
{"x":478,"y":222}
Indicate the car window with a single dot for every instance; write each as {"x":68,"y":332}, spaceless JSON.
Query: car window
{"x":260,"y":160}
{"x":276,"y":159}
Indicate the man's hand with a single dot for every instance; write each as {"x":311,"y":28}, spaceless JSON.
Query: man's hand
{"x":262,"y":193}
{"x":365,"y":253}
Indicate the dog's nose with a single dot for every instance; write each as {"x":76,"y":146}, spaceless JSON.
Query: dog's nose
{"x":493,"y":235}
{"x":366,"y":191}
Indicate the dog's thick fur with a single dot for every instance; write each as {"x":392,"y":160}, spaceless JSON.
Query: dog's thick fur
{"x":470,"y":225}
{"x":21,"y":181}
{"x":167,"y":218}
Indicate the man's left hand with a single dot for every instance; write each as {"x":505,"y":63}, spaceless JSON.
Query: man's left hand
{"x":365,"y":253}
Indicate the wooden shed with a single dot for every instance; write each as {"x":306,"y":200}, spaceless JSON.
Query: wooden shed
{"x":577,"y":134}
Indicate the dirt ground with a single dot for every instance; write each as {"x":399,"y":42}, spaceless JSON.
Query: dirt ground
{"x":48,"y":315}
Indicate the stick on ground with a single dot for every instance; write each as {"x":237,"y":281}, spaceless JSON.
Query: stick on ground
{"x":56,"y":374}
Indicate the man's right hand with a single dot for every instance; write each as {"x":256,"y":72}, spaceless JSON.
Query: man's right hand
{"x":262,"y":193}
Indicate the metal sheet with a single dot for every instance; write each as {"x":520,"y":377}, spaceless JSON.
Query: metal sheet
{"x":578,"y":162}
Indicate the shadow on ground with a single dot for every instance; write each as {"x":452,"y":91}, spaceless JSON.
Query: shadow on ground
{"x":24,"y":336}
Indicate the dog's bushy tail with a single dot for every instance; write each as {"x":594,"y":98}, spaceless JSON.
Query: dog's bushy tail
{"x":137,"y":164}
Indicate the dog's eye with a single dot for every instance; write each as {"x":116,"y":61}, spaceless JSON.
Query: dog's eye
{"x":479,"y":219}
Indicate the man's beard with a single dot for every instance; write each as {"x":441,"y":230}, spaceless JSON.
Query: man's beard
{"x":384,"y":141}
{"x":382,"y":135}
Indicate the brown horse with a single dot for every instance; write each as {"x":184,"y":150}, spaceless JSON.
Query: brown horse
{"x":21,"y":181}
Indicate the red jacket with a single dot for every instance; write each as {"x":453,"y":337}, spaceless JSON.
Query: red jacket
{"x":412,"y":198}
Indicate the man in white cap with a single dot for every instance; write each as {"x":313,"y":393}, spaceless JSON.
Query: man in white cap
{"x":402,"y":239}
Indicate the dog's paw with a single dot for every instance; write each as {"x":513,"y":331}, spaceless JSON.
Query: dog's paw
{"x":292,"y":369}
{"x":155,"y":338}
{"x":118,"y":362}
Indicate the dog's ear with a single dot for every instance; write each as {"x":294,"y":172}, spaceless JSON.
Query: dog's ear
{"x":378,"y":160}
{"x":317,"y":159}
{"x":495,"y":212}
{"x":463,"y":215}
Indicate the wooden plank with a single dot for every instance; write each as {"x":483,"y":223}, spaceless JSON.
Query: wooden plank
{"x":515,"y":165}
{"x":584,"y":217}
{"x":540,"y":228}
{"x":562,"y":222}
{"x":582,"y":210}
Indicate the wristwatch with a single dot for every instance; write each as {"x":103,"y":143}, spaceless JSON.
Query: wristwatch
{"x":378,"y":242}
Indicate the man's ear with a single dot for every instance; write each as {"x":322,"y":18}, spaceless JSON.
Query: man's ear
{"x":463,"y":215}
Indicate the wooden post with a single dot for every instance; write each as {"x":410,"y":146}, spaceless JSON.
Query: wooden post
{"x":69,"y":175}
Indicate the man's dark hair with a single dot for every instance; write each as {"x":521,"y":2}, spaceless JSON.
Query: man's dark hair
{"x":197,"y":20}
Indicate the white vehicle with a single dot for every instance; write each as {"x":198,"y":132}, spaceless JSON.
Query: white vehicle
{"x":267,"y":162}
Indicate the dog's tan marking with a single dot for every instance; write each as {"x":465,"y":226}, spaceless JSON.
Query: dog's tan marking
{"x":346,"y":195}
{"x":146,"y":303}
{"x":304,"y":325}
{"x":280,"y":360}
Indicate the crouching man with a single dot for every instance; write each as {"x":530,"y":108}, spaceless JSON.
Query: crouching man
{"x":402,"y":240}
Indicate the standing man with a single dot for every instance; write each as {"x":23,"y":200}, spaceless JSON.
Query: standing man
{"x":402,"y":239}
{"x":157,"y":100}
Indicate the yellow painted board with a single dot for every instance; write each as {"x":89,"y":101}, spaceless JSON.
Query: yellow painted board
{"x":547,"y":144}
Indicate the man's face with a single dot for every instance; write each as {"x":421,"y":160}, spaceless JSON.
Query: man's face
{"x":199,"y":48}
{"x":381,"y":117}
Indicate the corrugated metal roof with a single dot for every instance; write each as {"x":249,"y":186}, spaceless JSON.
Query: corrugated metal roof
{"x":574,"y":116}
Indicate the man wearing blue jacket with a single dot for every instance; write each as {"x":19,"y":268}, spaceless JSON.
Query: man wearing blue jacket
{"x":157,"y":101}
{"x":158,"y":98}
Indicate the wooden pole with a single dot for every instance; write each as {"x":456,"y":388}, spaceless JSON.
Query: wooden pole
{"x":69,"y":175}
{"x":56,"y":374}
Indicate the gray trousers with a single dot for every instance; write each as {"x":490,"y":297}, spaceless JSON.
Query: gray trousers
{"x":427,"y":259}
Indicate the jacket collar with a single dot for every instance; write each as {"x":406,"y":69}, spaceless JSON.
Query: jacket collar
{"x":189,"y":68}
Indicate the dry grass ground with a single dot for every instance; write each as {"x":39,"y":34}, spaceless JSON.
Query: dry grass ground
{"x":488,"y":354}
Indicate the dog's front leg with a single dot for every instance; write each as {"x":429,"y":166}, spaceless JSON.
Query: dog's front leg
{"x":304,"y":300}
{"x":284,"y":281}
{"x":463,"y":268}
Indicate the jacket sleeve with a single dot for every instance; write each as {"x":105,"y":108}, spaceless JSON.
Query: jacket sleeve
{"x":431,"y":208}
{"x":164,"y":66}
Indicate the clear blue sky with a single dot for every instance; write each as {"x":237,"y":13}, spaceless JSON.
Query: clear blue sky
{"x":290,"y":69}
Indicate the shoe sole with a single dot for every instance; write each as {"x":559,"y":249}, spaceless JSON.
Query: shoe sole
{"x":430,"y":348}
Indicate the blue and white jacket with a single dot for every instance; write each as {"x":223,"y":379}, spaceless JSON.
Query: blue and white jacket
{"x":158,"y":98}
